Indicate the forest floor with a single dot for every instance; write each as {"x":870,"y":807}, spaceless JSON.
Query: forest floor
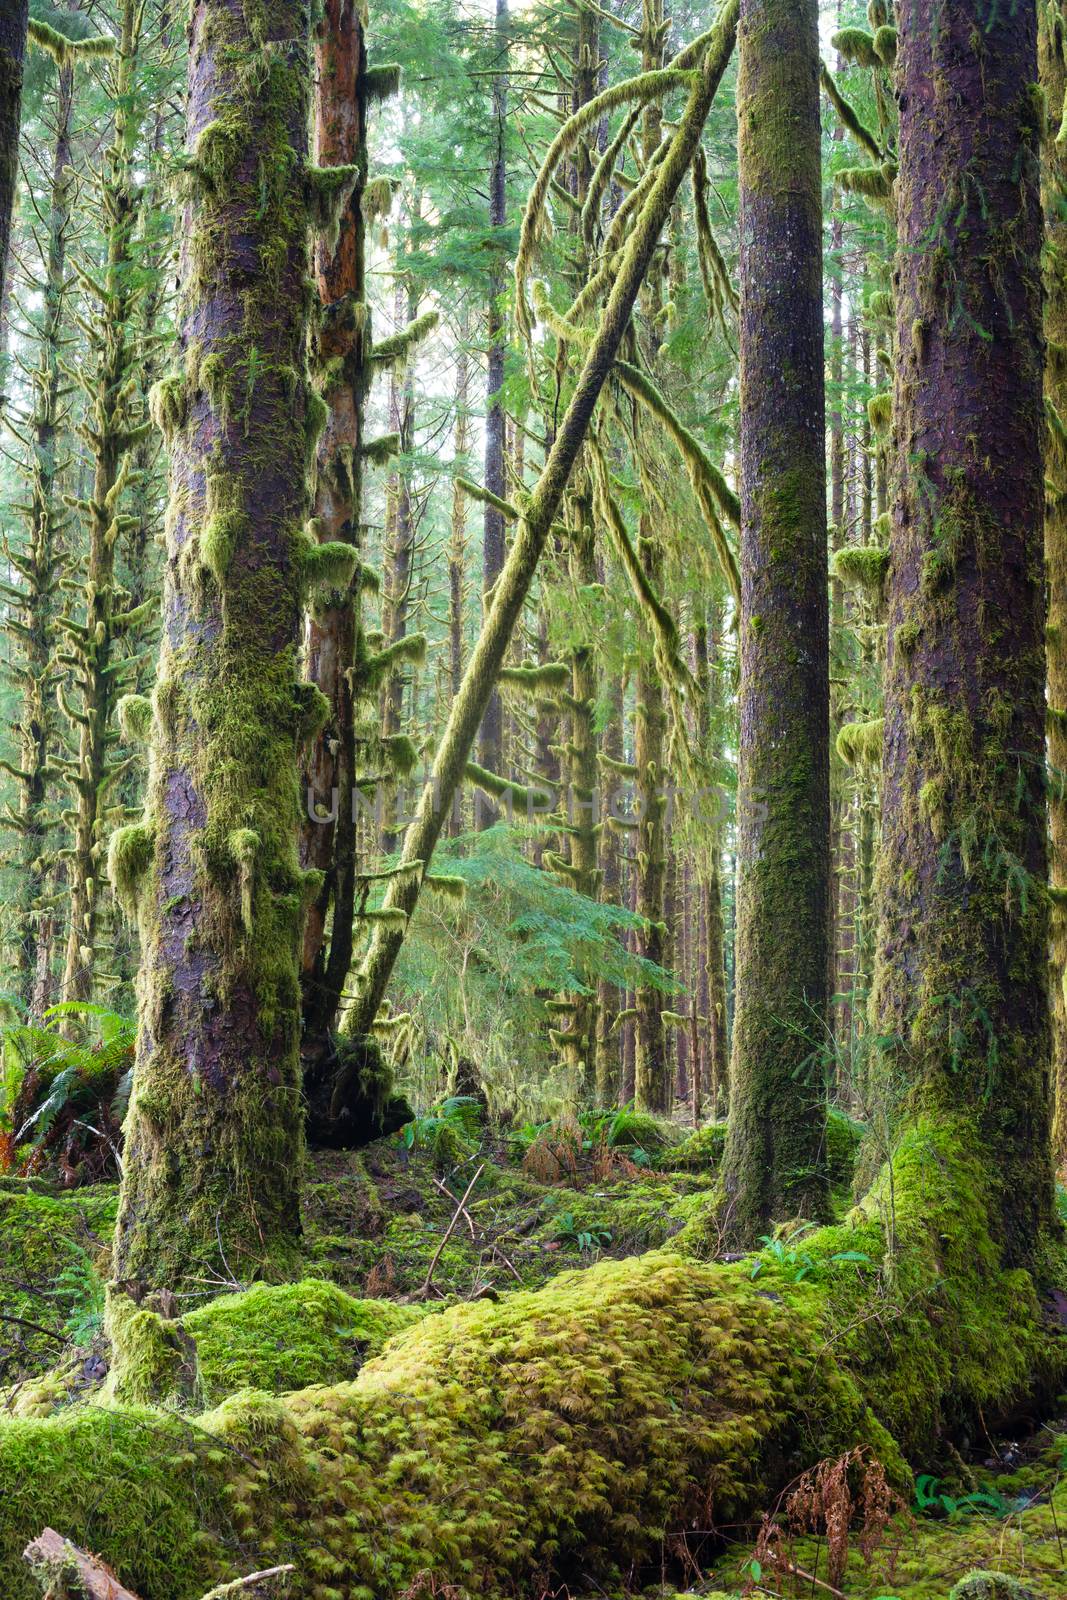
{"x":444,"y":1214}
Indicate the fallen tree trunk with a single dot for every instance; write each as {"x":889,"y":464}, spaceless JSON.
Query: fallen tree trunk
{"x":574,"y":1434}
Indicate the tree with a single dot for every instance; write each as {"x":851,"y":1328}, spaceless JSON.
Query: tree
{"x":214,"y":1130}
{"x":961,"y":990}
{"x":1053,"y":62}
{"x":13,"y":27}
{"x":491,"y":734}
{"x":773,"y":1156}
{"x":114,"y":426}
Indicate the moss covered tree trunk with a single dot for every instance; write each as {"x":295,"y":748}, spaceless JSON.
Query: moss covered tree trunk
{"x":33,"y":626}
{"x":213,"y":1135}
{"x":1053,"y":63}
{"x":772,"y":1163}
{"x":333,"y":628}
{"x":13,"y":25}
{"x":962,"y":949}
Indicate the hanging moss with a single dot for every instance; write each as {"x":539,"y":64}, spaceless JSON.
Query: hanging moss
{"x":880,"y":412}
{"x":66,"y":51}
{"x":129,"y":861}
{"x":382,"y":82}
{"x":863,"y":567}
{"x":400,"y":345}
{"x":534,"y":679}
{"x":885,"y":45}
{"x":381,"y":451}
{"x":376,"y":200}
{"x":856,"y":45}
{"x":860,"y":743}
{"x":166,"y":401}
{"x":134,"y":712}
{"x":447,"y":884}
{"x":874,"y":183}
{"x":401,"y":752}
{"x":331,"y":565}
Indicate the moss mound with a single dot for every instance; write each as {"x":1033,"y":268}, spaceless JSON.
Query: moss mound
{"x":561,"y":1436}
{"x":289,"y":1337}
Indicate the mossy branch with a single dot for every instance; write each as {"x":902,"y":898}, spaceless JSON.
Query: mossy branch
{"x":645,"y":88}
{"x":534,"y":680}
{"x":400,"y":345}
{"x":849,"y":116}
{"x":713,"y":493}
{"x":487,"y":497}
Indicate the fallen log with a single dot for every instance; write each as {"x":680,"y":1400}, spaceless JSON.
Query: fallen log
{"x":67,"y":1573}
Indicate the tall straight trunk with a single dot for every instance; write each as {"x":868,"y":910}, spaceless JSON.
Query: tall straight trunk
{"x":1053,"y":62}
{"x":490,"y":736}
{"x":652,"y":1084}
{"x":712,"y":985}
{"x":457,"y":552}
{"x":113,"y":427}
{"x":13,"y":24}
{"x":213,"y":1135}
{"x":333,"y":629}
{"x":399,"y":554}
{"x":34,"y":627}
{"x":608,"y":1040}
{"x":962,"y":951}
{"x":534,"y":528}
{"x":773,"y":1161}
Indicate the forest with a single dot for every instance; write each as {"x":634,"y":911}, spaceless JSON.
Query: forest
{"x":533,"y":799}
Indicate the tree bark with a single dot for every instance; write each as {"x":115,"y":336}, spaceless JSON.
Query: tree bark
{"x":333,"y":631}
{"x":773,"y":1155}
{"x":961,"y":984}
{"x":213,"y":1135}
{"x":490,"y":737}
{"x":34,"y":639}
{"x":1053,"y":76}
{"x":13,"y":25}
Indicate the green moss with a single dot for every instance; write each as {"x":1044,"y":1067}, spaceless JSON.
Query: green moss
{"x":880,"y":412}
{"x":290,"y":1336}
{"x":700,"y":1149}
{"x":129,"y":861}
{"x":856,"y":45}
{"x":134,"y":712}
{"x":860,"y":743}
{"x":863,"y":567}
{"x":167,"y":404}
{"x":885,"y":45}
{"x":153,"y":1359}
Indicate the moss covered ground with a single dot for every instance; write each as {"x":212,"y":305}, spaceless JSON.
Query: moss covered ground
{"x":575,"y":1403}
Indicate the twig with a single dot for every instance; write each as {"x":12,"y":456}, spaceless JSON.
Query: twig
{"x":243,"y":1583}
{"x":467,"y":1216}
{"x":448,"y":1231}
{"x":24,"y":1322}
{"x":798,"y":1572}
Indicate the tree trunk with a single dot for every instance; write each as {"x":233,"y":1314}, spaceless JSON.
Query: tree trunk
{"x":113,"y":428}
{"x":333,"y":631}
{"x":13,"y":24}
{"x":1053,"y":61}
{"x":773,"y":1156}
{"x":213,"y":1135}
{"x":490,"y":737}
{"x":961,"y":984}
{"x":34,"y":640}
